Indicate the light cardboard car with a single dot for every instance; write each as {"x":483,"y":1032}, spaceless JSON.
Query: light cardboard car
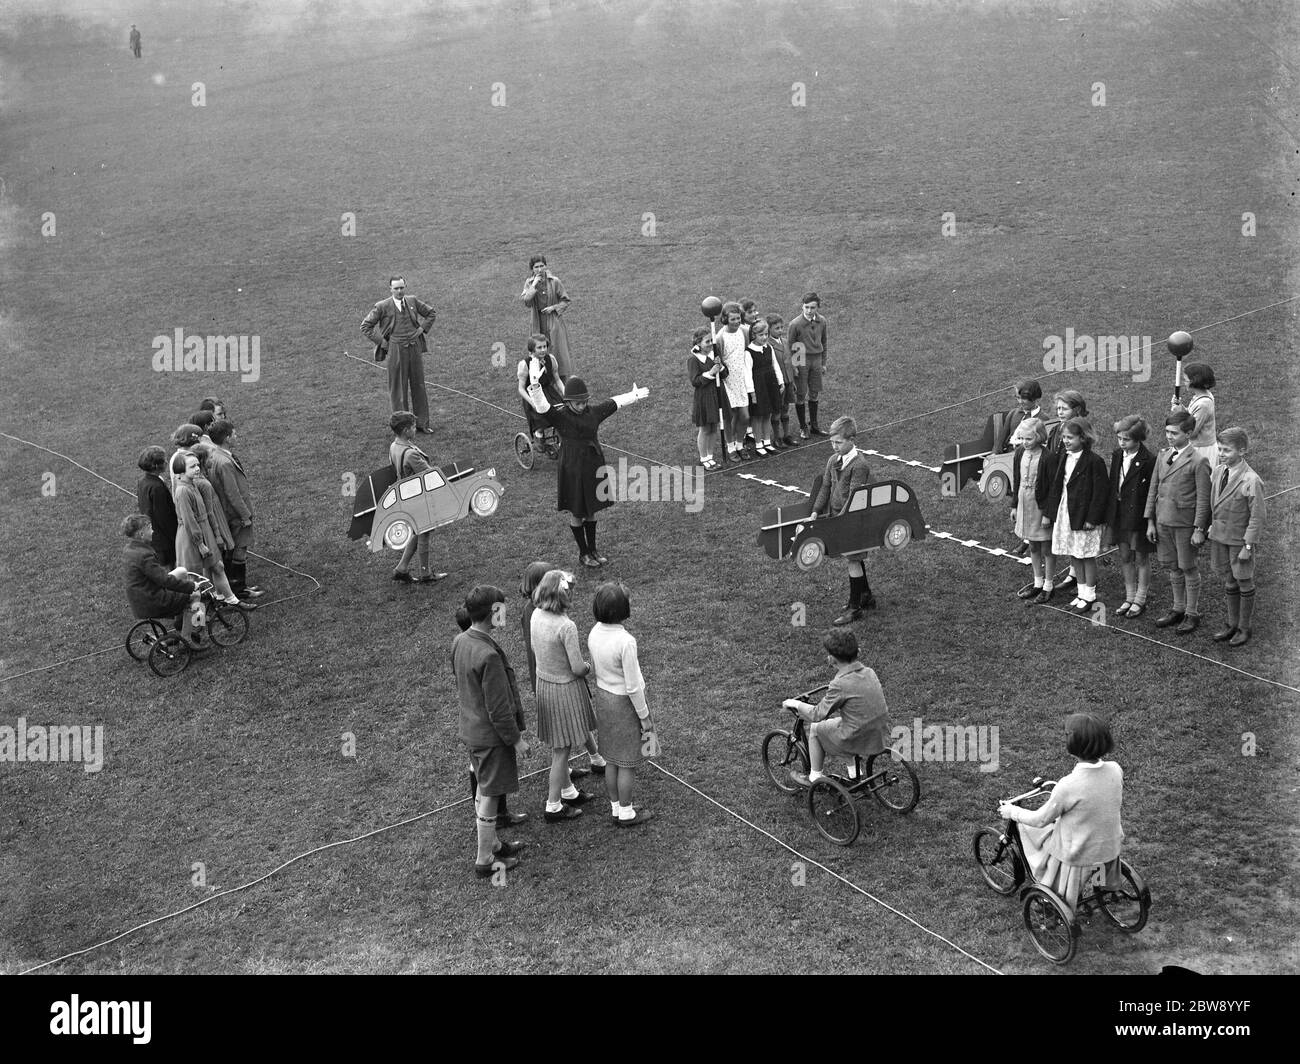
{"x":979,"y":459}
{"x":420,"y":503}
{"x":882,"y":514}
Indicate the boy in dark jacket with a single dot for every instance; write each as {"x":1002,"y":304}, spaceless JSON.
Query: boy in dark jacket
{"x":150,"y":588}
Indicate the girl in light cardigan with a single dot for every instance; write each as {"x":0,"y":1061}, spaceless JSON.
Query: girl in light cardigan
{"x":1079,"y":827}
{"x":627,"y":732}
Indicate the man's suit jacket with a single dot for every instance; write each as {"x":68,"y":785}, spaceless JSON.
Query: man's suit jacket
{"x":1180,"y":493}
{"x":228,"y":478}
{"x":838,"y":485}
{"x":1237,"y":512}
{"x":379,"y":323}
{"x":1128,"y":501}
{"x":154,"y":500}
{"x":491,"y":711}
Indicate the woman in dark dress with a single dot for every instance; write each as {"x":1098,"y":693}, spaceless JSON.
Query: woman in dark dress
{"x":577,"y":420}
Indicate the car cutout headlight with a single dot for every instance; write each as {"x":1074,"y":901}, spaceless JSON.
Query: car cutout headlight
{"x":492,"y":472}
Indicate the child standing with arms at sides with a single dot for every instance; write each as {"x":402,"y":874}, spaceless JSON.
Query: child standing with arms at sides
{"x":1068,"y":404}
{"x":1178,"y":515}
{"x":705,"y":369}
{"x":527,"y":585}
{"x":1075,"y":507}
{"x":776,"y":337}
{"x":766,"y":388}
{"x":1200,"y":379}
{"x":623,"y":717}
{"x":1027,"y":471}
{"x":564,"y":716}
{"x":1237,"y":515}
{"x":1131,"y":468}
{"x":1079,"y":826}
{"x":729,"y":347}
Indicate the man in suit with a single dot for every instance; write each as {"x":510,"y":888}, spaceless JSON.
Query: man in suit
{"x":855,"y":694}
{"x":1237,"y":513}
{"x":134,"y":41}
{"x":846,"y":471}
{"x":491,"y":724}
{"x":1178,"y":518}
{"x":397,"y":326}
{"x":231,"y":484}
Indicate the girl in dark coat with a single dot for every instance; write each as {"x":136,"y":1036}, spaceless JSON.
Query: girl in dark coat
{"x":153,"y":496}
{"x":577,"y":420}
{"x":705,"y":369}
{"x":1077,"y":495}
{"x":1131,"y":467}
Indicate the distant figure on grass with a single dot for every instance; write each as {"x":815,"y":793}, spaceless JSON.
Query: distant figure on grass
{"x":231,"y":483}
{"x":134,"y":41}
{"x":1178,"y":517}
{"x":397,"y":326}
{"x":1029,"y":467}
{"x":729,"y":342}
{"x":704,"y":369}
{"x":491,"y":724}
{"x":1078,"y":829}
{"x":532,"y":576}
{"x":198,"y":547}
{"x":1131,"y":469}
{"x":538,"y":369}
{"x":807,"y":340}
{"x":564,"y":715}
{"x":1237,"y":513}
{"x":1074,"y":503}
{"x":1200,"y":379}
{"x":546,"y":300}
{"x":408,"y":460}
{"x":627,"y":731}
{"x":150,"y":588}
{"x":153,"y":496}
{"x":846,"y":472}
{"x":855,"y":695}
{"x":582,"y":460}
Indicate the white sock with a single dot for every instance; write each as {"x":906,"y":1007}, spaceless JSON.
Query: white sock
{"x":626,"y":812}
{"x":814,"y":775}
{"x":1088,"y":592}
{"x":553,"y":807}
{"x":565,"y":793}
{"x":615,"y":808}
{"x":597,"y":760}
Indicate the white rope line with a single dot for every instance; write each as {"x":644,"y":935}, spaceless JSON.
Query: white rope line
{"x":128,"y":491}
{"x":511,"y":413}
{"x":829,"y":871}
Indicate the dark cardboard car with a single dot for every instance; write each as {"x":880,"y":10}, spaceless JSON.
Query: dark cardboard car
{"x":882,"y":514}
{"x":420,"y":503}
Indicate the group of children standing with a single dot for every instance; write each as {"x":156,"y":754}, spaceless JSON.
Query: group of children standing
{"x":746,"y":371}
{"x":1199,"y":487}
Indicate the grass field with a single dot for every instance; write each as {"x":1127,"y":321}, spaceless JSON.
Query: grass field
{"x":1119,"y":219}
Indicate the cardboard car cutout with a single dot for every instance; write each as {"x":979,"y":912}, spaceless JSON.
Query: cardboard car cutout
{"x":884,"y":513}
{"x":986,"y":459}
{"x":417,"y":504}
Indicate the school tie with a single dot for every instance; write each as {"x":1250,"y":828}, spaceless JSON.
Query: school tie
{"x":1171,"y":458}
{"x":1223,"y":482}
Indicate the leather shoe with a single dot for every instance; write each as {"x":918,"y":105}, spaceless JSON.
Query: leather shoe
{"x":1021,"y":550}
{"x":816,"y":430}
{"x":1043,"y":597}
{"x":1241,"y":638}
{"x":432,"y":578}
{"x":1172,"y":617}
{"x":868,"y":603}
{"x":1190,"y":623}
{"x":789,"y":441}
{"x":503,"y":864}
{"x":582,"y":798}
{"x":508,"y":849}
{"x":566,"y":812}
{"x":1225,"y":633}
{"x":1028,"y":592}
{"x":590,"y":562}
{"x":642,"y":815}
{"x":511,"y":820}
{"x":1070,"y":583}
{"x":403,"y":578}
{"x":847,"y":617}
{"x":599,"y":770}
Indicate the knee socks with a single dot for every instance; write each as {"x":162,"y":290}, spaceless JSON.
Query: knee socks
{"x":1143,"y":582}
{"x":579,"y":537}
{"x":803,"y":417}
{"x":1193,"y":592}
{"x":590,"y":528}
{"x":1178,"y":585}
{"x":1247,"y":605}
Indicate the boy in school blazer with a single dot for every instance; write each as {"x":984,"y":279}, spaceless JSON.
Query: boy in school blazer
{"x":1178,"y":518}
{"x":846,"y":471}
{"x":1237,"y":513}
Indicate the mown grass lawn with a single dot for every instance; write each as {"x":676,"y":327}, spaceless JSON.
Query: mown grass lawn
{"x":1123,"y":219}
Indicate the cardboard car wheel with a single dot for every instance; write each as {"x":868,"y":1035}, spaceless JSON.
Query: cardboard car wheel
{"x":898,"y":534}
{"x":484,"y":502}
{"x":397,"y":535}
{"x":809,"y":554}
{"x":998,"y":486}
